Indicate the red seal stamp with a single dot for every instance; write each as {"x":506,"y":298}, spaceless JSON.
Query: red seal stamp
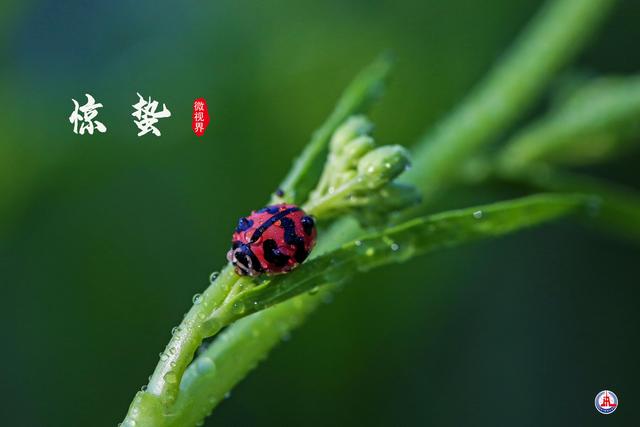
{"x":200,"y":118}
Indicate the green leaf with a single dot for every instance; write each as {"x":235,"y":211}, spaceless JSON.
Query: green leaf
{"x":365,"y":88}
{"x":617,"y":211}
{"x":407,"y":240}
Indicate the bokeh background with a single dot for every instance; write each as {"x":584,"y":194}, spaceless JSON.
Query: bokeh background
{"x":105,"y":238}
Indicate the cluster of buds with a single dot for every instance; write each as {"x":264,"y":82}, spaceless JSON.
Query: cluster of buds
{"x":359,"y":177}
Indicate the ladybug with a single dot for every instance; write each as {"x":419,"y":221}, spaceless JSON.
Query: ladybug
{"x":273,"y":240}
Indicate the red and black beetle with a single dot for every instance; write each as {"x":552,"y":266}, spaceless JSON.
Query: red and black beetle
{"x":273,"y":240}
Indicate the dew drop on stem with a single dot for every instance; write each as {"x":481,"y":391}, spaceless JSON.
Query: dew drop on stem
{"x":213,"y":276}
{"x":197,"y":299}
{"x":171,"y":377}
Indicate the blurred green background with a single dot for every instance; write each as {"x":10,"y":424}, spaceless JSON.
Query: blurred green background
{"x":105,"y":238}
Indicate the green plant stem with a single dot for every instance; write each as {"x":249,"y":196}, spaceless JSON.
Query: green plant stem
{"x":188,"y":336}
{"x":549,"y":42}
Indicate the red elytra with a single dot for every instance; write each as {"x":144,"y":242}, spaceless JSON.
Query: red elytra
{"x":200,"y":117}
{"x":272,"y":240}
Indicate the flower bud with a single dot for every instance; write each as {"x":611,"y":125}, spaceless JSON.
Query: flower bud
{"x":382,"y":165}
{"x":352,"y":128}
{"x":356,"y":148}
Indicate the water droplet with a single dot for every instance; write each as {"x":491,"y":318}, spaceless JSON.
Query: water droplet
{"x":175,"y":330}
{"x":314,"y":290}
{"x":197,"y":299}
{"x":395,"y":247}
{"x":478,"y":214}
{"x":170,"y":377}
{"x":172,"y":350}
{"x":213,"y":276}
{"x":358,"y":242}
{"x":164,"y":357}
{"x":128,"y":423}
{"x":227,"y":395}
{"x":238,"y":307}
{"x":143,"y":388}
{"x":370,"y":252}
{"x":331,"y":190}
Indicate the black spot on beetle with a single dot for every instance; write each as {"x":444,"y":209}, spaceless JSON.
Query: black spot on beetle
{"x":244,"y":224}
{"x":279,"y":192}
{"x":273,"y":255}
{"x":307,"y":225}
{"x":291,"y":238}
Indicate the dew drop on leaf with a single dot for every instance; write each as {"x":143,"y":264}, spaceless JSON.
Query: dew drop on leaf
{"x":238,"y":307}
